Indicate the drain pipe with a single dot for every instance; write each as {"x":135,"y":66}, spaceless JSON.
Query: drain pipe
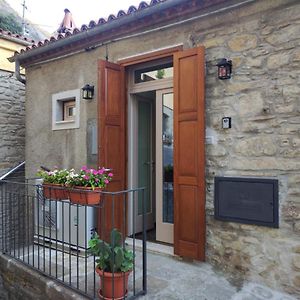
{"x":17,"y":72}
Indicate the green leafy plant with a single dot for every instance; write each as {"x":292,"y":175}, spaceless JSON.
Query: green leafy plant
{"x":55,"y":177}
{"x":112,"y":256}
{"x":93,"y":178}
{"x":168,"y":168}
{"x":160,"y":74}
{"x":9,"y":23}
{"x":89,"y":178}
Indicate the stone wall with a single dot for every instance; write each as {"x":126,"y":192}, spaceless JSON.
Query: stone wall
{"x":263,"y":100}
{"x":19,"y":282}
{"x":12,"y":121}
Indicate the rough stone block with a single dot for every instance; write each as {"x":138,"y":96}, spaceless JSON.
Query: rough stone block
{"x":242,"y":42}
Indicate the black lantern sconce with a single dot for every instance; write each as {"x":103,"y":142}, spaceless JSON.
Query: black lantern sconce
{"x":88,"y":92}
{"x":224,"y":69}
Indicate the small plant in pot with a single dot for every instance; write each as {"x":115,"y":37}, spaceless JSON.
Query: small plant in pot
{"x":53,"y":182}
{"x":114,"y":265}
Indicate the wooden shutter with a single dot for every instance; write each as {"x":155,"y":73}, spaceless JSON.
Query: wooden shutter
{"x":189,"y":154}
{"x":111,"y":141}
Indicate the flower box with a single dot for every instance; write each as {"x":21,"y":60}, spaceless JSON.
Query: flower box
{"x":54,"y":191}
{"x":84,"y":195}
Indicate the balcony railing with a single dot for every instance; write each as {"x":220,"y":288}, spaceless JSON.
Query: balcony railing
{"x":52,"y":235}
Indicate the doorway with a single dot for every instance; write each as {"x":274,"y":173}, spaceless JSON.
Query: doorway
{"x":151,"y":143}
{"x":117,"y":141}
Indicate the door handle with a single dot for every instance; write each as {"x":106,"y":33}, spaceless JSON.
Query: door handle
{"x":151,"y":164}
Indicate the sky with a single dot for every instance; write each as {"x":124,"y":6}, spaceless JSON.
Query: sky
{"x":48,"y":14}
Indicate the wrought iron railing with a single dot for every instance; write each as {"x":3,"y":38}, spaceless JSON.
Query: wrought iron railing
{"x":51,"y":233}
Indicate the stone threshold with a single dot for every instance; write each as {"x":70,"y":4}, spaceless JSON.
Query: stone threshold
{"x":152,"y":247}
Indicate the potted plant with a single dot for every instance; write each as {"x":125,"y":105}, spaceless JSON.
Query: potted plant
{"x":114,"y":264}
{"x":53,"y":182}
{"x":85,"y":185}
{"x":80,"y":188}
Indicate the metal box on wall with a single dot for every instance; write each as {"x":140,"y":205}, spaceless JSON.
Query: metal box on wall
{"x":247,"y":200}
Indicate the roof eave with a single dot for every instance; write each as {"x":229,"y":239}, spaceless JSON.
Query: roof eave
{"x":86,"y":38}
{"x":16,"y":40}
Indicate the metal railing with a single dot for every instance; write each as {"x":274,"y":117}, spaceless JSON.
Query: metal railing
{"x":51,"y":234}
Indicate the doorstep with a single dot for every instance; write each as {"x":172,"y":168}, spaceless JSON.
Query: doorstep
{"x":153,"y":247}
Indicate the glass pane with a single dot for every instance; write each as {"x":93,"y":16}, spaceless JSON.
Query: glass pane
{"x":71,"y":111}
{"x":154,"y":73}
{"x":167,"y":142}
{"x":144,"y":154}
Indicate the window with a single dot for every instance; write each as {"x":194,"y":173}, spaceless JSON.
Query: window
{"x":156,"y":72}
{"x":65,"y":110}
{"x":69,"y":110}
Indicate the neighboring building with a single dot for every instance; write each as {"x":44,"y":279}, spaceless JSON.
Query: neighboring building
{"x":164,"y":56}
{"x":12,"y":104}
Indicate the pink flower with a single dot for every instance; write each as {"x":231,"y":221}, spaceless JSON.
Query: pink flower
{"x":84,"y":168}
{"x":110,"y":174}
{"x":106,"y":181}
{"x":95,"y":172}
{"x":101,"y":171}
{"x":96,"y":179}
{"x":86,"y":177}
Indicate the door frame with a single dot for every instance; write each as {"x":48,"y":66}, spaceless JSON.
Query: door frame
{"x":186,"y":243}
{"x":164,"y":230}
{"x":132,"y":90}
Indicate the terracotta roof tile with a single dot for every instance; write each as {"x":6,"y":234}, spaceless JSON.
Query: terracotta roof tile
{"x":5,"y":33}
{"x":131,"y":10}
{"x":111,"y":18}
{"x":101,"y":21}
{"x":121,"y":13}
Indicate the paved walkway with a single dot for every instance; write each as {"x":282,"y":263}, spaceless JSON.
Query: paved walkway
{"x":170,"y":279}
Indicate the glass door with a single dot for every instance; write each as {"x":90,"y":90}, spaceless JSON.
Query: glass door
{"x":164,"y":170}
{"x":145,"y":159}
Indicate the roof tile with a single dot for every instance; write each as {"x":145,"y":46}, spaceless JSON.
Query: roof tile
{"x":12,"y":35}
{"x":131,"y":10}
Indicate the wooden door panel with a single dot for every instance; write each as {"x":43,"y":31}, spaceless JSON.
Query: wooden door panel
{"x":187,"y":136}
{"x":188,"y":208}
{"x":189,"y":154}
{"x":112,"y":105}
{"x":187,"y":87}
{"x":111,"y":140}
{"x":114,"y":159}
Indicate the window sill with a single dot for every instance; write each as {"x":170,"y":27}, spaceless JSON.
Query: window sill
{"x":65,"y":122}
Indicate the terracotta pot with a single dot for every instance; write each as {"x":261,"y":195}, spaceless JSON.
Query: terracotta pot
{"x":54,"y":191}
{"x":84,"y":195}
{"x":109,"y":290}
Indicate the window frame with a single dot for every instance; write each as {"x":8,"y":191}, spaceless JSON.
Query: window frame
{"x":59,"y":101}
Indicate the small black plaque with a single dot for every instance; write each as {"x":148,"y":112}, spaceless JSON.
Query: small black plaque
{"x":247,"y":200}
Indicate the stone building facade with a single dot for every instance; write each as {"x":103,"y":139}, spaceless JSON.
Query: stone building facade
{"x":262,"y":98}
{"x":12,"y":105}
{"x":12,"y":121}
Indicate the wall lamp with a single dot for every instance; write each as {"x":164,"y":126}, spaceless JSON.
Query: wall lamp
{"x":224,"y":69}
{"x":88,"y":92}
